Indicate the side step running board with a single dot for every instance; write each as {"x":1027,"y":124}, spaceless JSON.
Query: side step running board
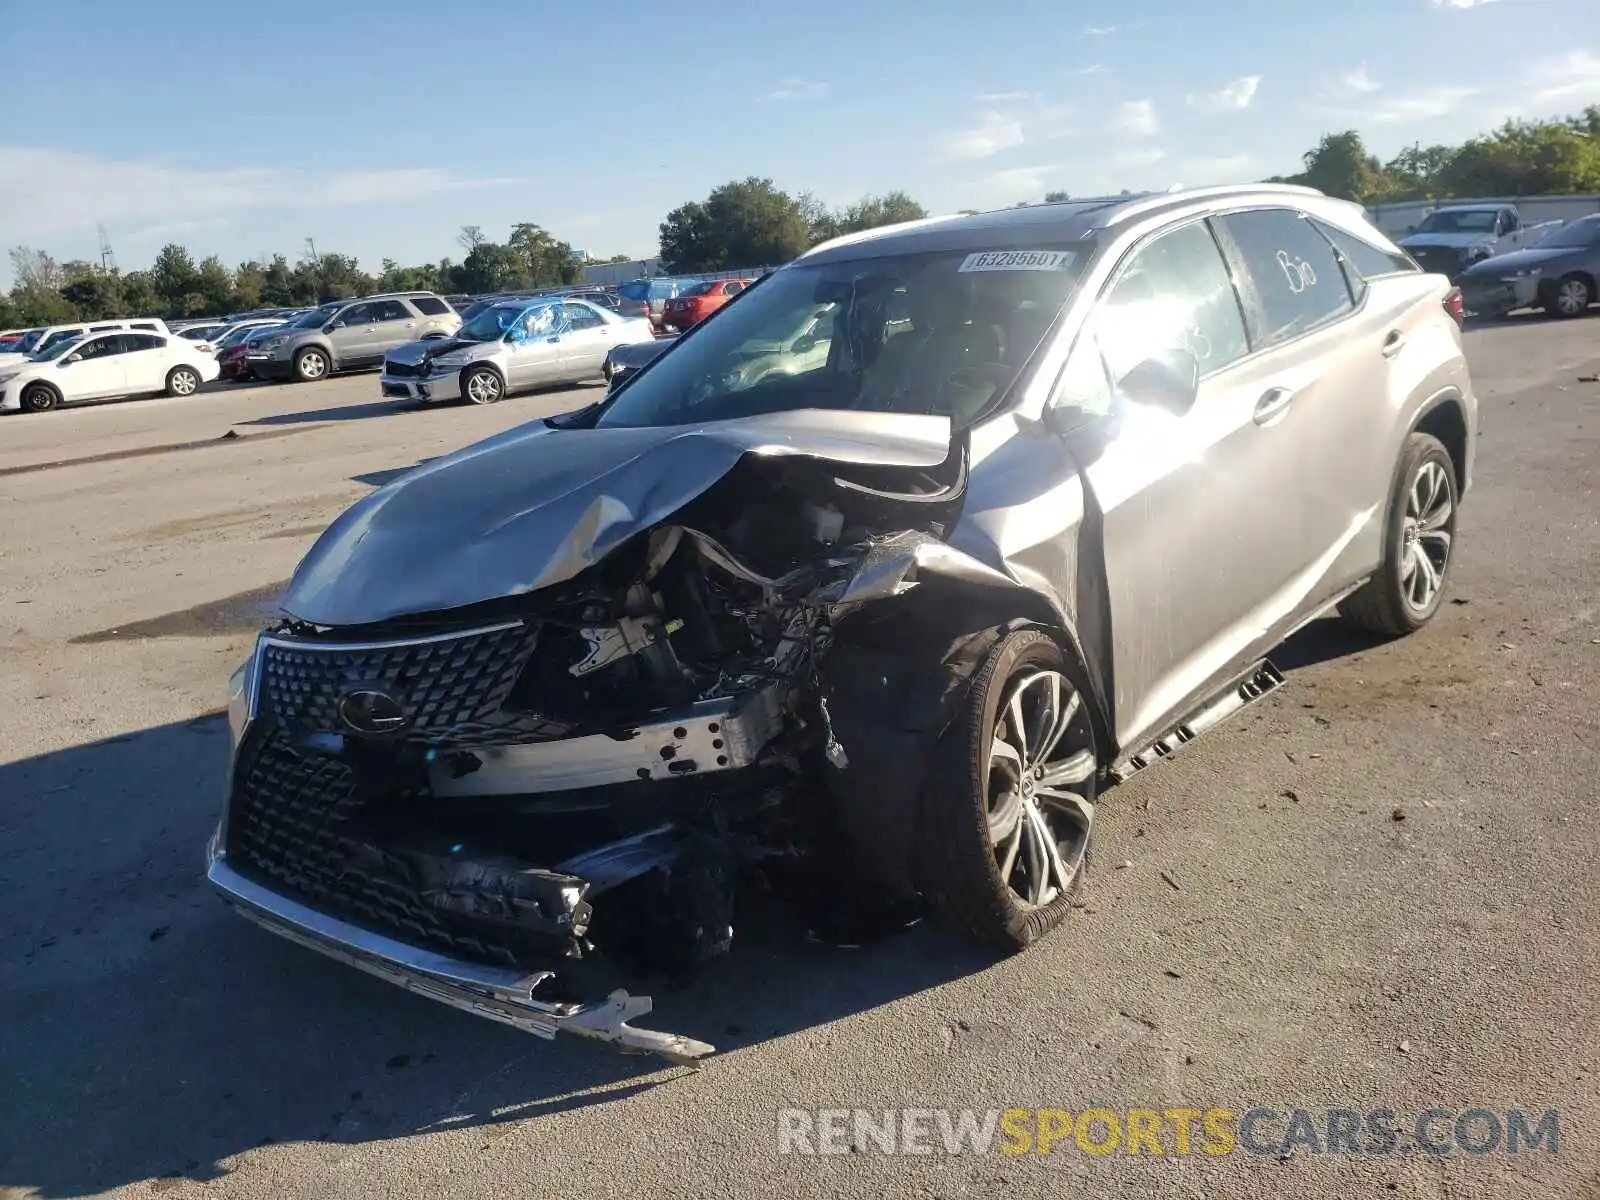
{"x":1244,"y":691}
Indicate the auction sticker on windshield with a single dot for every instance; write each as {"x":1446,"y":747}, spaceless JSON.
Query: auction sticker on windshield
{"x":1018,"y":260}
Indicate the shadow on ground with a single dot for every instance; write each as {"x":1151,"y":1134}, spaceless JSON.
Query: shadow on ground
{"x":340,"y":412}
{"x":148,"y":1034}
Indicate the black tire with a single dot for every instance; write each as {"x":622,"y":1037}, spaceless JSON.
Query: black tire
{"x":39,"y":397}
{"x":1568,"y":297}
{"x":1386,"y":604}
{"x":183,"y":381}
{"x":482,"y":385}
{"x":958,"y":867}
{"x":312,"y":364}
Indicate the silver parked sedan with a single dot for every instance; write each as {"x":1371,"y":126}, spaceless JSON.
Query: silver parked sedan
{"x":508,"y":347}
{"x":1034,"y":500}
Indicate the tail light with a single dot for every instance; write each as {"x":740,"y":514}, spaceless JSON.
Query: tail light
{"x":1455,"y":307}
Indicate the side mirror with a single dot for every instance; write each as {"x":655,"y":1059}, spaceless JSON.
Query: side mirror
{"x":1169,"y":381}
{"x":803,"y":344}
{"x":71,"y":358}
{"x":332,"y":325}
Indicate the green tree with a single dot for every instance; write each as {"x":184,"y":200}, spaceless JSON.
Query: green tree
{"x":488,"y":267}
{"x":176,"y":278}
{"x":1415,"y":172}
{"x":214,"y":285}
{"x":544,"y":261}
{"x":1056,"y":197}
{"x":1340,"y":166}
{"x":249,"y":280}
{"x":278,"y":283}
{"x":869,"y":212}
{"x":140,"y":296}
{"x":94,"y":294}
{"x":1525,"y":158}
{"x":747,"y":223}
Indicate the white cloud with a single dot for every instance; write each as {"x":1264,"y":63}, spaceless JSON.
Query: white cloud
{"x":1146,"y":157}
{"x":1091,"y":69}
{"x":1461,"y":3}
{"x":1357,"y":82}
{"x":1137,"y":118}
{"x":795,"y":89}
{"x":1571,"y":79}
{"x":1099,"y":30}
{"x":1005,"y":97}
{"x":997,"y":132}
{"x":1226,"y":168}
{"x":50,"y":191}
{"x":1012,"y":184}
{"x":1420,"y":105}
{"x":1235,"y":97}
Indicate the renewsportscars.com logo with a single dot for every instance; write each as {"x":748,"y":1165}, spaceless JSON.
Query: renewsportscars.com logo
{"x":1177,"y":1132}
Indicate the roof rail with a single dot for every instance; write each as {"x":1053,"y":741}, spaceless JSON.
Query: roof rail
{"x":1155,"y":200}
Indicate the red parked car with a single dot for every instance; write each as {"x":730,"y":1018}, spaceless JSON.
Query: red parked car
{"x":700,"y":301}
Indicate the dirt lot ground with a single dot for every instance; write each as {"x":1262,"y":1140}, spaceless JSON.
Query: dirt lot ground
{"x":1379,"y":889}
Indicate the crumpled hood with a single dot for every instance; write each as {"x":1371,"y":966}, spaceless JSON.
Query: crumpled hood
{"x":1517,"y":260}
{"x":1451,"y":241}
{"x":413,"y":353}
{"x":534,"y":506}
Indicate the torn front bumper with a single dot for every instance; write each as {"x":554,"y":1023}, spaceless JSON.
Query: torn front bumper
{"x":427,"y":389}
{"x":1496,"y":297}
{"x":504,"y":994}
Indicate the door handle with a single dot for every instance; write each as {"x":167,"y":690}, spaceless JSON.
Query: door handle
{"x":1393,"y":344}
{"x":1273,"y":403}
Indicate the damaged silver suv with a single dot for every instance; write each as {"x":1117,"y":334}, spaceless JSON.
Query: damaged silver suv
{"x":879,"y":610}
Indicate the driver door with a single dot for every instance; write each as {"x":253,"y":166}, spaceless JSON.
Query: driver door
{"x":586,"y":343}
{"x":353,"y":337}
{"x":534,"y":348}
{"x":95,"y":370}
{"x":1202,"y":523}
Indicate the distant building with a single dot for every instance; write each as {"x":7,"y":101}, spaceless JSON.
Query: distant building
{"x":623,"y":271}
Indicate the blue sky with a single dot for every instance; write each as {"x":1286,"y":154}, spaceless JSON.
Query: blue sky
{"x":379,"y":130}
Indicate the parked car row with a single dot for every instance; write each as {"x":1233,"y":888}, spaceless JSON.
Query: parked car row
{"x":110,"y":361}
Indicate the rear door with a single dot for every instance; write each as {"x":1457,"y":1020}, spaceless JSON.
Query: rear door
{"x":146,"y":359}
{"x":1201,"y":527}
{"x":587,"y":342}
{"x":393,"y":324}
{"x":1330,"y":348}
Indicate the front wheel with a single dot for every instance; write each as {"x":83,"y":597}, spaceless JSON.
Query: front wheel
{"x":1570,"y":296}
{"x":311,"y":365}
{"x":183,"y":381}
{"x":40,"y":397}
{"x":1419,"y":541}
{"x":1010,"y":803}
{"x":480,"y":385}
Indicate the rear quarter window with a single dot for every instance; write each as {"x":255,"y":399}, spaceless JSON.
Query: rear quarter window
{"x":430,"y":306}
{"x":1294,"y":282}
{"x":1369,"y":261}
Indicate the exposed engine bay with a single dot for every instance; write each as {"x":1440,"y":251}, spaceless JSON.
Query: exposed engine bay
{"x":577,"y":778}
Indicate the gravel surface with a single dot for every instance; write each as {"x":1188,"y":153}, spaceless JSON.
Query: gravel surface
{"x":1377,"y":889}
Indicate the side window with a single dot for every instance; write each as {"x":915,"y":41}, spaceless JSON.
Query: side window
{"x":356,"y":314}
{"x":430,"y":306}
{"x":390,"y":310}
{"x":1508,"y":221}
{"x":1367,"y":260}
{"x":142,"y":325}
{"x":100,"y":347}
{"x":1294,"y":283}
{"x":732,"y":289}
{"x":581,"y":316}
{"x":1174,"y":294}
{"x":103,"y":328}
{"x":143,"y":341}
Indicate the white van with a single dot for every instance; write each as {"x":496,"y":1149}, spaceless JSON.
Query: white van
{"x":53,"y":335}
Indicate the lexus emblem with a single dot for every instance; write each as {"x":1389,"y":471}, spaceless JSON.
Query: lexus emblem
{"x":372,"y":713}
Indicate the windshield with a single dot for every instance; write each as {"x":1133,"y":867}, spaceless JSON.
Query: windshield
{"x":637,"y":289}
{"x":1576,"y":236}
{"x":318,"y":316}
{"x":55,"y":341}
{"x":497,"y":320}
{"x":699,"y":289}
{"x":29,"y":341}
{"x":57,"y":346}
{"x":943,"y":333}
{"x":1474,"y":220}
{"x":238,"y":335}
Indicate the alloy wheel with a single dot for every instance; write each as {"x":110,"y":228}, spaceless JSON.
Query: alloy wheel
{"x":1426,"y":536}
{"x":184,"y":383}
{"x":1572,"y":297}
{"x":313,"y":365}
{"x":1040,"y":752}
{"x":483,"y":387}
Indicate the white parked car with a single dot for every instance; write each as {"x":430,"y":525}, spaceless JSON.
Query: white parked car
{"x":48,"y":337}
{"x":103,"y":366}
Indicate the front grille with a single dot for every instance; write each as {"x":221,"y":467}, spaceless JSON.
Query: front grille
{"x":1441,"y":260}
{"x":445,"y":685}
{"x":289,"y":827}
{"x":400,"y":370}
{"x":397,"y":390}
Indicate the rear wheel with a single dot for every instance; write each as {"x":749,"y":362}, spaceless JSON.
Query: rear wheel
{"x":1570,"y":296}
{"x":1010,"y":803}
{"x":481,"y":385}
{"x":1419,"y":543}
{"x":183,"y":381}
{"x":310,"y":365}
{"x":40,"y":397}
